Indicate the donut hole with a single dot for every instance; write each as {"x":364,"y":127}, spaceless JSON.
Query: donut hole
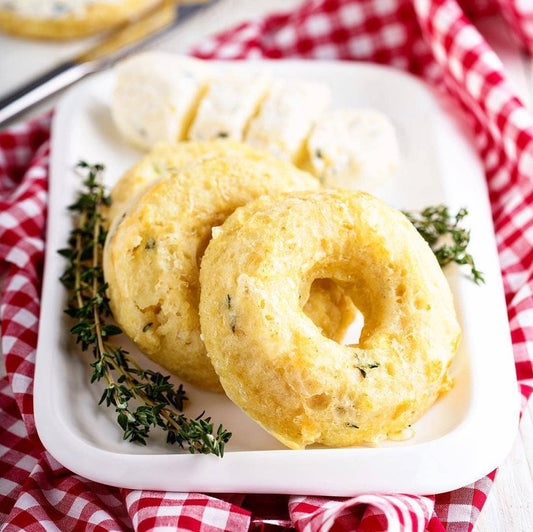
{"x":332,"y":310}
{"x":353,"y":334}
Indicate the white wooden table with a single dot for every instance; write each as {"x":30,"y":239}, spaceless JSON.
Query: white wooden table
{"x":509,"y":507}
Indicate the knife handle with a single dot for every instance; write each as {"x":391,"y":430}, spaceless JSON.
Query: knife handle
{"x":42,"y":87}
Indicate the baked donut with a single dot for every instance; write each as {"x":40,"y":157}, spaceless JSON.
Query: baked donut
{"x":152,"y":255}
{"x":275,"y":364}
{"x":67,"y":19}
{"x":165,"y":159}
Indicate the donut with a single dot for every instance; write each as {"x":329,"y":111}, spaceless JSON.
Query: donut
{"x":67,"y":19}
{"x":152,"y":256}
{"x":353,"y":148}
{"x":277,"y":366}
{"x":167,"y":158}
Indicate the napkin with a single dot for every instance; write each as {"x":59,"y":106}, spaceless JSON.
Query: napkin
{"x":431,"y":39}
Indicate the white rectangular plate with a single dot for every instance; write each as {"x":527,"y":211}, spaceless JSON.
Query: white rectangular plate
{"x":465,"y":435}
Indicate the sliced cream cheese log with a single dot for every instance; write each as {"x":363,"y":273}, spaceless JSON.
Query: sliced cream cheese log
{"x":286,"y":117}
{"x":230,"y":101}
{"x":353,"y":148}
{"x":156,"y":96}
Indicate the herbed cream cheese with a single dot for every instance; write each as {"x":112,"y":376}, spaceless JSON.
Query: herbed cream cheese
{"x":286,"y":117}
{"x":156,"y":96}
{"x":49,"y":8}
{"x":353,"y":148}
{"x":229,"y":103}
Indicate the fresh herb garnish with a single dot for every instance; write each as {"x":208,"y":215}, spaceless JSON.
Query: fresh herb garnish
{"x":447,"y":239}
{"x":143,"y":399}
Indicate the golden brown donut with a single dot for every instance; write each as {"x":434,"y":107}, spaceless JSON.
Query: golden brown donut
{"x":165,"y":159}
{"x":275,"y":364}
{"x":68,"y":20}
{"x":152,"y":255}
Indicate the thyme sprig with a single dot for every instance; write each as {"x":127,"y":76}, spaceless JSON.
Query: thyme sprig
{"x":143,"y":399}
{"x":444,"y":234}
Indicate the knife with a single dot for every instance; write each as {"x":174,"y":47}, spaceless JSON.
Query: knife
{"x":121,"y":42}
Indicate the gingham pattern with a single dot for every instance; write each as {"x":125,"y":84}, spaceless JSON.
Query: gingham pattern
{"x":184,"y":511}
{"x":432,"y":39}
{"x":364,"y":512}
{"x":23,"y":181}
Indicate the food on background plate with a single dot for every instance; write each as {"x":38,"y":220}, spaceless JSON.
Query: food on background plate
{"x":67,"y":19}
{"x":152,"y":256}
{"x":152,"y":104}
{"x":353,"y":148}
{"x":272,"y":360}
{"x":155,"y":97}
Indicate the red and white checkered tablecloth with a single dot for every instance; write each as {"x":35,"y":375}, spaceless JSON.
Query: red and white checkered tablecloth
{"x":433,"y":39}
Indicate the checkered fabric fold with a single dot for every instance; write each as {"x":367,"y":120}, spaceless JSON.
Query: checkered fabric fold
{"x":435,"y":40}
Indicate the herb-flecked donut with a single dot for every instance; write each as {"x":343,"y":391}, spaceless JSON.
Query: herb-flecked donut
{"x":165,"y":159}
{"x":67,"y":19}
{"x":272,"y":360}
{"x":152,"y":257}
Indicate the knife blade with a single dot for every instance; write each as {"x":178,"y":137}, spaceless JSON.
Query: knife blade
{"x":121,"y":42}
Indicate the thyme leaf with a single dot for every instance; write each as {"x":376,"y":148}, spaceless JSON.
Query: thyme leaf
{"x":143,"y":399}
{"x":444,"y":234}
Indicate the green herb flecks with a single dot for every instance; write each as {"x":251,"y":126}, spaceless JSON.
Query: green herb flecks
{"x":143,"y":399}
{"x":364,"y":368}
{"x":444,"y":234}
